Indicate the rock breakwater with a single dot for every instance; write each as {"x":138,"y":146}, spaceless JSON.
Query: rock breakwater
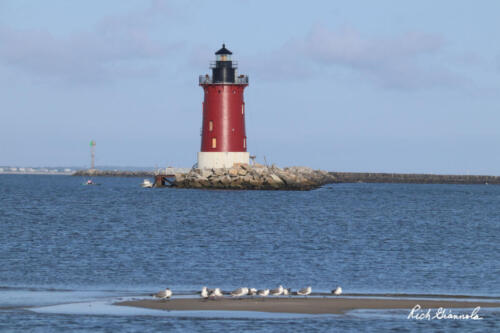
{"x":294,"y":178}
{"x":409,"y":178}
{"x":254,"y":177}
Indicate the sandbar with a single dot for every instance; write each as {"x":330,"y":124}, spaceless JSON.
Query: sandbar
{"x":310,"y":305}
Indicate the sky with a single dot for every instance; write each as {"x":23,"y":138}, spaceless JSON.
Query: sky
{"x":379,"y":86}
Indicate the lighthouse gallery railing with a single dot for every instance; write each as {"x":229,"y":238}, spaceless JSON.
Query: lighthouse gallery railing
{"x":207,"y":79}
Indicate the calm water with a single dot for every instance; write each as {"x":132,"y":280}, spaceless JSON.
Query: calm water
{"x":61,"y":242}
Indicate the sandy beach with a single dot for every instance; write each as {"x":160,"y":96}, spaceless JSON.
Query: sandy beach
{"x":301,"y":305}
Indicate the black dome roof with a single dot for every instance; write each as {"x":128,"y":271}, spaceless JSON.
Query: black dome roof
{"x":223,"y":50}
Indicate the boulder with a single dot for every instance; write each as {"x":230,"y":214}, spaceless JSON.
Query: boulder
{"x":195,"y":184}
{"x":259,"y":171}
{"x":247,"y":179}
{"x":300,"y":170}
{"x":237,"y":182}
{"x":240,"y":165}
{"x":193,"y":175}
{"x":276,"y":179}
{"x":203,"y":173}
{"x":225,"y":180}
{"x":256,"y":182}
{"x":219,"y":171}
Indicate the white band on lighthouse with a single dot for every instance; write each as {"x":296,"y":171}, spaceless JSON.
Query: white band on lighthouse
{"x":209,"y":160}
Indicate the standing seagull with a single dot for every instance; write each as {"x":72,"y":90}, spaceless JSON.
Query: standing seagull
{"x":163,"y":294}
{"x":276,"y":292}
{"x":304,"y":291}
{"x":216,"y":292}
{"x":287,"y":291}
{"x":239,"y":292}
{"x":337,"y":291}
{"x":252,"y":291}
{"x":264,"y":292}
{"x":204,"y":292}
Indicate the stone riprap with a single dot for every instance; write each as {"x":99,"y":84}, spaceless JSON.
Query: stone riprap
{"x":254,"y":177}
{"x":409,"y":178}
{"x":294,"y":178}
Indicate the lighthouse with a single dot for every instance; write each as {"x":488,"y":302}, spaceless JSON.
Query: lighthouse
{"x":223,"y":137}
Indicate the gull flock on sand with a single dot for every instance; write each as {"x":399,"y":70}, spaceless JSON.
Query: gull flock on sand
{"x":207,"y":293}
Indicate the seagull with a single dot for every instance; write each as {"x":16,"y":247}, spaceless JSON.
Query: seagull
{"x":337,"y":291}
{"x":217,"y":292}
{"x":252,"y":291}
{"x":239,"y":292}
{"x":163,"y":294}
{"x":264,"y":292}
{"x":287,"y":291}
{"x":276,"y":292}
{"x":304,"y":291}
{"x":204,"y":292}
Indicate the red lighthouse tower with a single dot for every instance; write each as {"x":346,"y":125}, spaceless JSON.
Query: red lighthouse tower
{"x":223,"y":137}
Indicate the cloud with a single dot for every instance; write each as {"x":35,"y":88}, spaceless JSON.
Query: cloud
{"x":347,"y":46}
{"x":471,"y":59}
{"x":283,"y":63}
{"x":405,"y":61}
{"x":116,"y":47}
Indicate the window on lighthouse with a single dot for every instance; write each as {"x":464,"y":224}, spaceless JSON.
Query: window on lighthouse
{"x":214,"y":143}
{"x":244,"y":142}
{"x":210,"y":126}
{"x":223,"y":57}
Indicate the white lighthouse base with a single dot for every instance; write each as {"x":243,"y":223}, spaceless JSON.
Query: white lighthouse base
{"x":209,"y":160}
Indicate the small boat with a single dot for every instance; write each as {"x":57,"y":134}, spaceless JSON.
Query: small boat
{"x":147,"y":183}
{"x":90,"y":182}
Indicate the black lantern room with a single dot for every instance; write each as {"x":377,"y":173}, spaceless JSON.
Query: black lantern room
{"x":223,"y":71}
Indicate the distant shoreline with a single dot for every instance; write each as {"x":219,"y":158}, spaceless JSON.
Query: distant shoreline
{"x":38,"y":173}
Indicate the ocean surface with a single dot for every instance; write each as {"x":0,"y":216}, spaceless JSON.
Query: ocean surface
{"x":68,"y":251}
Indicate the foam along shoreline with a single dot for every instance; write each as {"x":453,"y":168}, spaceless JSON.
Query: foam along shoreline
{"x":311,"y":305}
